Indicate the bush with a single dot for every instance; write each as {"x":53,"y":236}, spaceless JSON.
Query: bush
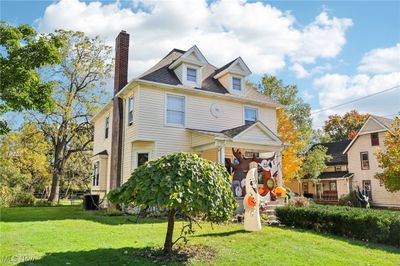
{"x":299,"y":202}
{"x":15,"y":197}
{"x":43,"y":203}
{"x":349,"y":200}
{"x":373,"y":225}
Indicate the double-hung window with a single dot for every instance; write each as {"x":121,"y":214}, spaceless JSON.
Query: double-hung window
{"x":107,"y":127}
{"x":175,"y":110}
{"x":130,"y":110}
{"x":250,"y":115}
{"x":237,"y":84}
{"x":96,"y":173}
{"x":191,"y":74}
{"x":364,"y":160}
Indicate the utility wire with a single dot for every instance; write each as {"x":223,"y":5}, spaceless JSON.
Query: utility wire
{"x":355,"y":100}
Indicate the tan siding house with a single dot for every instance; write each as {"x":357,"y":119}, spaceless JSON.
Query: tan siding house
{"x":183,"y":103}
{"x":363,"y":163}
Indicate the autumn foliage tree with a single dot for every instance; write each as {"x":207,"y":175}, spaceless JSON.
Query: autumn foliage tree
{"x":291,"y":160}
{"x":339,"y":127}
{"x":389,"y":160}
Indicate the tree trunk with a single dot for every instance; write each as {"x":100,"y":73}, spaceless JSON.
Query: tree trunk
{"x":57,"y":170}
{"x":170,"y":231}
{"x":55,"y":187}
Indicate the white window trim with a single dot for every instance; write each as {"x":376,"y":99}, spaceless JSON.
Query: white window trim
{"x":105,"y":126}
{"x":189,"y":82}
{"x":244,"y":113}
{"x":137,"y":157}
{"x":242,"y":86}
{"x":133,"y":110}
{"x":165,"y":111}
{"x":98,"y":174}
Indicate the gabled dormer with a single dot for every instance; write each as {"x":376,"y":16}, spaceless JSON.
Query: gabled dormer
{"x":233,"y":76}
{"x":188,"y":67}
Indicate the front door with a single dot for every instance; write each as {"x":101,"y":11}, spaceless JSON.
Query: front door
{"x":367,"y":189}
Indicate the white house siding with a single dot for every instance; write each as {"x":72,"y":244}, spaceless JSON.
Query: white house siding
{"x":100,"y":144}
{"x":381,"y":197}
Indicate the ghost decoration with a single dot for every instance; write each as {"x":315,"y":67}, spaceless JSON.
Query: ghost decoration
{"x":251,"y":201}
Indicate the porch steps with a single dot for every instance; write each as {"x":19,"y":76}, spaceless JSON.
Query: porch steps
{"x":269,"y":212}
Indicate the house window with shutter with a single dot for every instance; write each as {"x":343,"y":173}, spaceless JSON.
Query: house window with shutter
{"x":364,"y":160}
{"x":374,"y":139}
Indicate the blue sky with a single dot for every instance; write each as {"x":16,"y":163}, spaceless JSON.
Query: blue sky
{"x":334,"y":51}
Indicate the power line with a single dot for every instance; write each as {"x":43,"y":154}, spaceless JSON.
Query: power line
{"x":355,"y":100}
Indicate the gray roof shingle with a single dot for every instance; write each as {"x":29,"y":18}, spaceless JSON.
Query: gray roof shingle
{"x":335,"y":149}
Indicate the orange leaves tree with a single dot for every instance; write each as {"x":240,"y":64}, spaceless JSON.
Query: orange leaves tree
{"x":339,"y":127}
{"x":291,"y":160}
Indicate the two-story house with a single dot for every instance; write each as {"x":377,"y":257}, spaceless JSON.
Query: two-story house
{"x":364,"y":165}
{"x":183,"y":103}
{"x":335,"y":180}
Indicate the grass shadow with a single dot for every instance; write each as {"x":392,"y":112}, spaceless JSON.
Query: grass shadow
{"x":222,"y":234}
{"x":109,"y":256}
{"x":356,"y":242}
{"x":38,"y":214}
{"x":127,"y":256}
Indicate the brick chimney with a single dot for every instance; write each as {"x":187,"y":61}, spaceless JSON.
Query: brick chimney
{"x":120,"y":80}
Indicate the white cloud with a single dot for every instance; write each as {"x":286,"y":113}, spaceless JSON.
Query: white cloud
{"x":335,"y":89}
{"x":383,"y":60}
{"x":299,"y":71}
{"x":323,"y":38}
{"x":263,"y":35}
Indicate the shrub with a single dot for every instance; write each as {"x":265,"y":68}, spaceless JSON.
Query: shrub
{"x":42,"y":203}
{"x":349,"y":200}
{"x":15,"y":197}
{"x":373,"y":225}
{"x":299,"y":202}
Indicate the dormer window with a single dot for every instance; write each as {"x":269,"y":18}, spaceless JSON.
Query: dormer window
{"x":236,"y":84}
{"x":191,"y":74}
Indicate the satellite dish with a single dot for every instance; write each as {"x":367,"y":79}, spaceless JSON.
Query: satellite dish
{"x":216,"y":110}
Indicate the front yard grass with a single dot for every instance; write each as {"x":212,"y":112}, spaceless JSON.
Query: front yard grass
{"x":71,"y":236}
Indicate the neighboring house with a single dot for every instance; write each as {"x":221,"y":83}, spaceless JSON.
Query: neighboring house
{"x":363,"y":163}
{"x":183,"y":103}
{"x":334,"y":182}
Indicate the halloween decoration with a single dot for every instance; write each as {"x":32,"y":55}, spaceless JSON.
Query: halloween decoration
{"x":251,"y":202}
{"x":363,"y":198}
{"x":241,"y":167}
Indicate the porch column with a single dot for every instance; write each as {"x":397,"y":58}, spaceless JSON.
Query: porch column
{"x":279,"y":160}
{"x":221,"y":155}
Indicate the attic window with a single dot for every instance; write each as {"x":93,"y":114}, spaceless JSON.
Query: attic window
{"x":191,"y":74}
{"x":374,"y":139}
{"x":237,"y":84}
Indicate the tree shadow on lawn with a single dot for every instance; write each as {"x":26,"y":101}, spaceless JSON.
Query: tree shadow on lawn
{"x":39,"y":214}
{"x":223,"y":234}
{"x":368,"y":245}
{"x":123,"y":256}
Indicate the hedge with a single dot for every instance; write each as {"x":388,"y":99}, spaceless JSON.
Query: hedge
{"x":381,"y":226}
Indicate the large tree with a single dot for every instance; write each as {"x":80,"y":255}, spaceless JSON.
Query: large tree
{"x":339,"y":127}
{"x":24,"y":54}
{"x":389,"y":160}
{"x":182,"y":183}
{"x":78,"y":92}
{"x":287,"y":95}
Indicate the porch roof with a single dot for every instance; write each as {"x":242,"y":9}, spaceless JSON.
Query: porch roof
{"x":252,"y":136}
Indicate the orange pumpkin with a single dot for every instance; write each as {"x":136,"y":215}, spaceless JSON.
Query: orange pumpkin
{"x":251,"y":201}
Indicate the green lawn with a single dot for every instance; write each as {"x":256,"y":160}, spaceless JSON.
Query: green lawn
{"x":70,"y":236}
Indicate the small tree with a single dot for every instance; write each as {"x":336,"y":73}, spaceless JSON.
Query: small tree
{"x":315,"y":162}
{"x":389,"y":160}
{"x":180,"y":182}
